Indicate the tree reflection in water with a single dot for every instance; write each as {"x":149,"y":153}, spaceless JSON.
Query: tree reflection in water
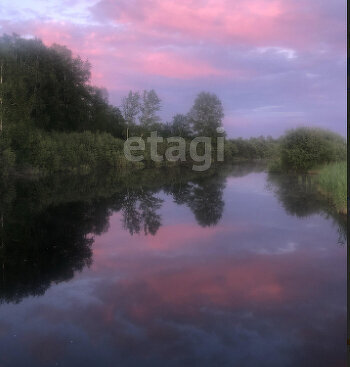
{"x":48,"y":226}
{"x":299,"y":196}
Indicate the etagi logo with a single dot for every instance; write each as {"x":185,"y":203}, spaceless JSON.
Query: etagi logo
{"x":177,"y":150}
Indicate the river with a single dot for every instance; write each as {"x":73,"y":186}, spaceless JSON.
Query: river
{"x":232,"y":267}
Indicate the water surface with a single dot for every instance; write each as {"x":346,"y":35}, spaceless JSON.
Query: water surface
{"x":228,"y":268}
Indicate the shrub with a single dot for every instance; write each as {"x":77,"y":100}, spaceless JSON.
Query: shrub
{"x":304,"y":148}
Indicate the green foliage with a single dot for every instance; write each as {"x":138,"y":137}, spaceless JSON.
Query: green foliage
{"x":305,"y":148}
{"x":332,"y":180}
{"x":151,"y":104}
{"x":48,"y":88}
{"x":180,"y":126}
{"x":131,"y":106}
{"x":253,"y":148}
{"x":52,"y":152}
{"x":206,"y":114}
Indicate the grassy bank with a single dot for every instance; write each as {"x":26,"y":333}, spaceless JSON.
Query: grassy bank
{"x":332,"y":181}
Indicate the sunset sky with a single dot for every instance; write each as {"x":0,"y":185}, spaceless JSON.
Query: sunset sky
{"x":275,"y":64}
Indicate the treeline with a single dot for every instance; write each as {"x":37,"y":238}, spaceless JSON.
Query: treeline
{"x":47,"y":88}
{"x":253,"y":148}
{"x":52,"y":119}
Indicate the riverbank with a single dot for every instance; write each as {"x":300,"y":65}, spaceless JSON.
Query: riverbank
{"x":332,"y":182}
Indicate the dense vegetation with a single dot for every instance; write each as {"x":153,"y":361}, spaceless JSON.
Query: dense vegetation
{"x":53,"y":119}
{"x":251,"y":149}
{"x":332,"y":180}
{"x":51,"y":116}
{"x":305,"y":148}
{"x":47,"y":88}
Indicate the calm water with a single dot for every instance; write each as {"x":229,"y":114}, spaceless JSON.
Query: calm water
{"x":229,"y":268}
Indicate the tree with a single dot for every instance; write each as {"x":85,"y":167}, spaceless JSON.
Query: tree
{"x":181,"y":126}
{"x":151,"y":104}
{"x":48,"y":88}
{"x":206,"y":114}
{"x":130,"y":108}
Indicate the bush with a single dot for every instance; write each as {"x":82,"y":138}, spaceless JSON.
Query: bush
{"x":304,"y":148}
{"x":52,"y":152}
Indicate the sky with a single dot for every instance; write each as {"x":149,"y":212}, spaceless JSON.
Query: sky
{"x":275,"y":64}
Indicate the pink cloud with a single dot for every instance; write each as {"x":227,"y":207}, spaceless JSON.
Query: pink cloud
{"x":162,"y":38}
{"x":173,"y":66}
{"x":259,"y":22}
{"x":182,"y":47}
{"x":122,"y":54}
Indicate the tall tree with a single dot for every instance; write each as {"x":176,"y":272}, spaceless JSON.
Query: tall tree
{"x":48,"y":88}
{"x":151,"y":104}
{"x":206,"y":114}
{"x":130,"y":108}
